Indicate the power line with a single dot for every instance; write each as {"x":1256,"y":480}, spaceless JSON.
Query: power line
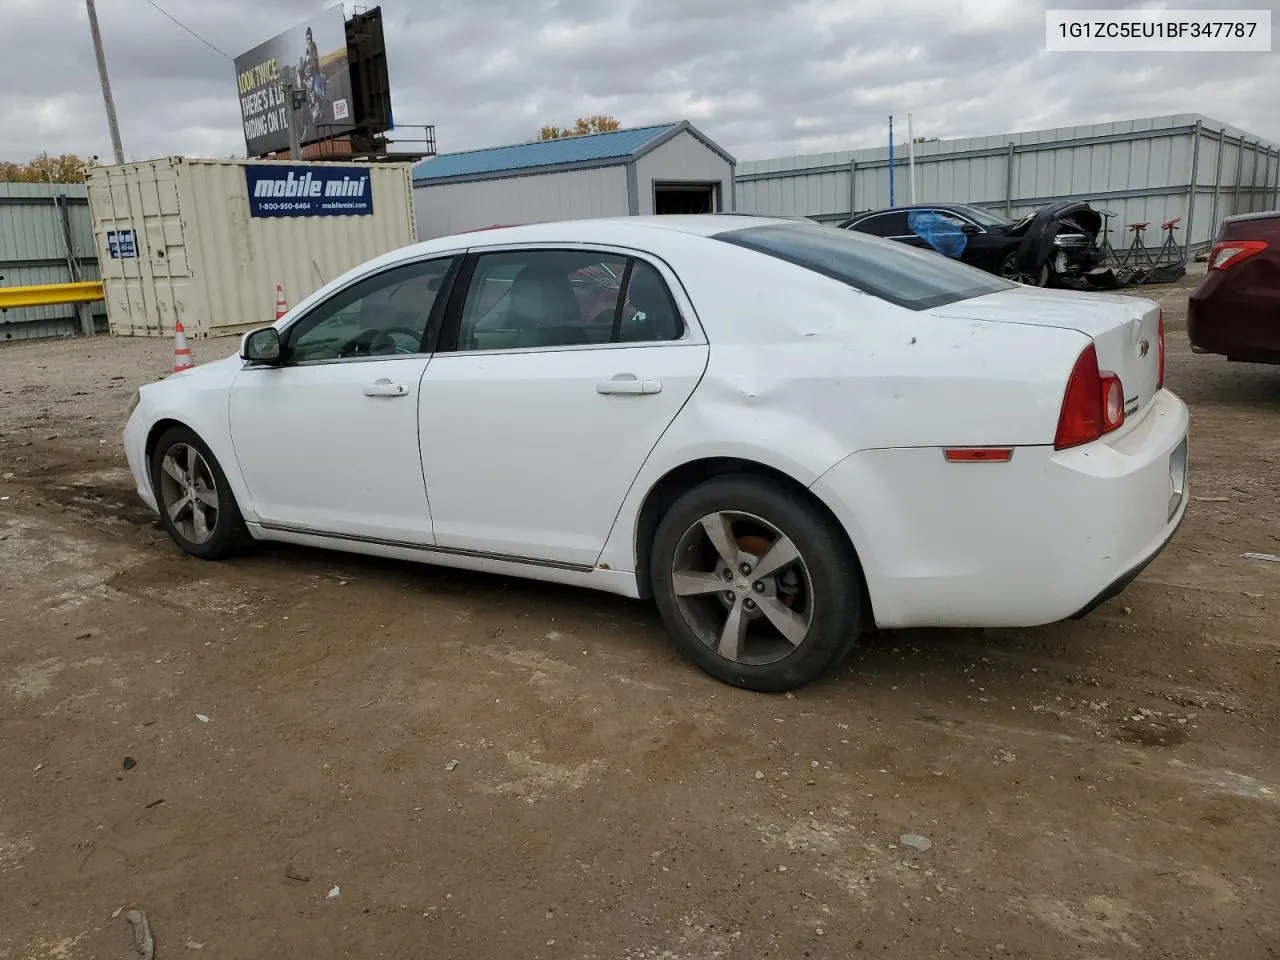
{"x":188,"y":29}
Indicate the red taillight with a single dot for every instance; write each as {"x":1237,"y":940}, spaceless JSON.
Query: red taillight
{"x":1093,"y":404}
{"x":1160,"y":355}
{"x":1230,"y":252}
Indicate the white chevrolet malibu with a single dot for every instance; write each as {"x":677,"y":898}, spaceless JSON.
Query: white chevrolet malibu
{"x":783,"y":433}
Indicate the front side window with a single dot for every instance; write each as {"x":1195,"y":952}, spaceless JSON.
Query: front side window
{"x":558,"y":298}
{"x":950,"y":220}
{"x":382,"y":315}
{"x":940,"y":229}
{"x":899,"y":273}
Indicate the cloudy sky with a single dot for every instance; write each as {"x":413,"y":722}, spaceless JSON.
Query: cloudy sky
{"x":762,"y":77}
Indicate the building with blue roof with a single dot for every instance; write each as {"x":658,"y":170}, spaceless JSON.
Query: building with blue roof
{"x":664,"y":168}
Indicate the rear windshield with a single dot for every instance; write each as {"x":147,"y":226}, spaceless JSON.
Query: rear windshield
{"x":906,"y":276}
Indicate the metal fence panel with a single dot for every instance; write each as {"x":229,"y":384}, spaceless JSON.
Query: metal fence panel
{"x":33,"y":249}
{"x":1142,"y":170}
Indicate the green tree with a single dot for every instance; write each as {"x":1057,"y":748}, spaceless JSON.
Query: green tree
{"x":65,"y":168}
{"x":581,"y":128}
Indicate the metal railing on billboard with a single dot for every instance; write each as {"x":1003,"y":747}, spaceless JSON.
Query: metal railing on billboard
{"x":341,"y":142}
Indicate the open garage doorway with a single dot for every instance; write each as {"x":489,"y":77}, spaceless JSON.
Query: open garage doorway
{"x":674,"y":198}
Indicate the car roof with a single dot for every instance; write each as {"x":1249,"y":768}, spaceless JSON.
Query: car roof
{"x":592,"y":230}
{"x":941,"y":205}
{"x":699,"y":224}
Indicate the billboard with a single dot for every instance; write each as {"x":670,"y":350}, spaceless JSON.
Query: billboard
{"x":286,"y":190}
{"x":314,"y":56}
{"x":370,"y":84}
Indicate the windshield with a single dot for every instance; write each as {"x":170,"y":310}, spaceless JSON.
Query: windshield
{"x":903,"y":275}
{"x":984,"y":218}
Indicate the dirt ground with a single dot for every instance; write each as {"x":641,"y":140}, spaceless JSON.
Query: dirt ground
{"x":488,"y":768}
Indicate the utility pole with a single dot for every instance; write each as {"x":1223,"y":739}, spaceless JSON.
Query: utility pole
{"x":106,"y":83}
{"x":911,"y":157}
{"x":891,"y":160}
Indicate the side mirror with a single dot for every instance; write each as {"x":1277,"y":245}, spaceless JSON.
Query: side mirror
{"x":968,"y":229}
{"x":261,"y":346}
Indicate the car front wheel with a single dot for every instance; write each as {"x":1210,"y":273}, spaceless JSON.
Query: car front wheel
{"x":196,"y":504}
{"x":1009,"y":271}
{"x":756,"y":584}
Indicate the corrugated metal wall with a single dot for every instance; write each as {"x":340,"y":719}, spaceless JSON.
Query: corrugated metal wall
{"x":447,"y":208}
{"x":33,"y":250}
{"x":682,"y":158}
{"x":1141,"y":170}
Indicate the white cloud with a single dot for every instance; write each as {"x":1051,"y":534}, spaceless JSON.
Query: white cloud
{"x":763,"y":77}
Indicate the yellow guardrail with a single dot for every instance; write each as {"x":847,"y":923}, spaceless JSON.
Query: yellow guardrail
{"x":49,"y":294}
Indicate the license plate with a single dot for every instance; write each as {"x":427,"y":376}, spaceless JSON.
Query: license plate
{"x":1177,"y":477}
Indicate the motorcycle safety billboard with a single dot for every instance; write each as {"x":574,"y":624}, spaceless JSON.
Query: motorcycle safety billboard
{"x":314,"y":56}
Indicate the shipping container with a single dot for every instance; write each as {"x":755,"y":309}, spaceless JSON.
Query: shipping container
{"x":208,"y":242}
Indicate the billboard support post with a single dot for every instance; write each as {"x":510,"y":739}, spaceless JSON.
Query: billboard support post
{"x":291,"y":97}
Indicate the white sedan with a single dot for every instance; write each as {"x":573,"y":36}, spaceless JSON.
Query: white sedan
{"x":785,"y":434}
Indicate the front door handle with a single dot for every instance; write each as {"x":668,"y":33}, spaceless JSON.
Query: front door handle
{"x":628,"y":383}
{"x":385,"y":388}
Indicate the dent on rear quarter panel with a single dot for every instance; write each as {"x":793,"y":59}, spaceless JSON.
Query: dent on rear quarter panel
{"x":805,"y":371}
{"x":864,"y":371}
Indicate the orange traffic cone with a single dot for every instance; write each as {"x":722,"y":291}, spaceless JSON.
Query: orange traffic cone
{"x":281,"y":307}
{"x":181,"y":352}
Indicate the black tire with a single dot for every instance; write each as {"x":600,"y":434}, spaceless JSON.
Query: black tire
{"x":1008,"y":267}
{"x":831,"y":582}
{"x":228,"y":534}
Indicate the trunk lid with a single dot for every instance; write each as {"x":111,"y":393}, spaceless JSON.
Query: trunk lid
{"x":1251,"y":226}
{"x":1125,"y":330}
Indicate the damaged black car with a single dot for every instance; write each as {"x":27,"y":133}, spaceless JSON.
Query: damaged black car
{"x":1055,"y":246}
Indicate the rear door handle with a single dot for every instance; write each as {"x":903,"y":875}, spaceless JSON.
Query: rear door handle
{"x":628,"y":383}
{"x":385,"y":388}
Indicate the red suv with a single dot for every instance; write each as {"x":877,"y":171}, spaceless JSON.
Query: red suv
{"x":1235,"y":312}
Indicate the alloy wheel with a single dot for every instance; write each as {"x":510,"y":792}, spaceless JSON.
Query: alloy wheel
{"x":189,"y":493}
{"x":1009,"y":271}
{"x":743,"y":587}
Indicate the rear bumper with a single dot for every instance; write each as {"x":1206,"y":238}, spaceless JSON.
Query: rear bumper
{"x":1041,"y":538}
{"x":1118,"y":587}
{"x":1074,"y":261}
{"x":1230,"y":330}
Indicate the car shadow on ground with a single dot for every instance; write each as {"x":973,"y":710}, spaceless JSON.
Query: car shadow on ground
{"x":998,"y":665}
{"x":1221,"y":382}
{"x":959,"y":666}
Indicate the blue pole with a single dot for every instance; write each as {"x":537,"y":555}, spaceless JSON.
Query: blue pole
{"x":891,"y":160}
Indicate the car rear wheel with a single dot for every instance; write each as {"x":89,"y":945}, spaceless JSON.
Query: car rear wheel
{"x":755,"y":584}
{"x":195,"y":500}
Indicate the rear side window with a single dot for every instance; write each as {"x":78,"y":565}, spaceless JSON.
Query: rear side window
{"x":902,"y":275}
{"x":883,"y":225}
